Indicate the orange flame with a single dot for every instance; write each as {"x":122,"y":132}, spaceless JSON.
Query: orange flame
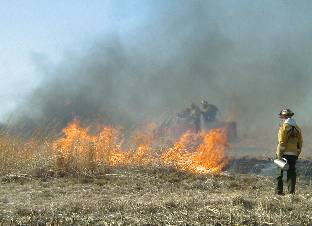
{"x":197,"y":153}
{"x":75,"y":146}
{"x":106,"y":147}
{"x":207,"y":157}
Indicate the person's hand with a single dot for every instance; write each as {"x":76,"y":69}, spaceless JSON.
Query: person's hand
{"x":298,"y":152}
{"x":278,"y":157}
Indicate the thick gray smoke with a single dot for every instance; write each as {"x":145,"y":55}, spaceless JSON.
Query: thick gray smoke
{"x":251,"y":55}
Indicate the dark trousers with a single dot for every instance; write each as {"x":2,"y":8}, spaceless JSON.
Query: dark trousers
{"x":291,"y":175}
{"x":197,"y":125}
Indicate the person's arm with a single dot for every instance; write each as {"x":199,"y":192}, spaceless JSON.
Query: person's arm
{"x":282,"y":141}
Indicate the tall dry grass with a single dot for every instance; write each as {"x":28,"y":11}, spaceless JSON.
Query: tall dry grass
{"x":154,"y":195}
{"x":20,"y":155}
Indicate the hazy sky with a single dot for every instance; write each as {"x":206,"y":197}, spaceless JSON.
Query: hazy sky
{"x":37,"y":34}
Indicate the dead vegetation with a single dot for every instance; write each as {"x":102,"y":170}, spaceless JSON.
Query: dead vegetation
{"x":150,"y":196}
{"x":36,"y":190}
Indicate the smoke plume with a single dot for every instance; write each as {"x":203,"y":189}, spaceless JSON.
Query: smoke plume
{"x":251,"y":55}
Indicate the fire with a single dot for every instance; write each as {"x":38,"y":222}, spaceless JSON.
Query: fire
{"x":106,"y":147}
{"x":207,"y":157}
{"x":75,"y":146}
{"x":197,"y":153}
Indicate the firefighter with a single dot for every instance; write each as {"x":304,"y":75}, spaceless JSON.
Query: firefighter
{"x":209,"y":111}
{"x":195,"y":117}
{"x":185,"y":114}
{"x":289,"y":147}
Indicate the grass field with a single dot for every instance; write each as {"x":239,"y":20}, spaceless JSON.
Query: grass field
{"x":38,"y":186}
{"x":149,"y":196}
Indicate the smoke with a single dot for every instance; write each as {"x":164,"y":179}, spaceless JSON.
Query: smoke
{"x":254,"y":56}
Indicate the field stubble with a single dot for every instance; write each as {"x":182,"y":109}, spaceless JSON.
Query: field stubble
{"x":154,"y":196}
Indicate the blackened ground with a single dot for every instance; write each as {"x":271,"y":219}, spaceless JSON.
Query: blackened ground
{"x":256,"y":166}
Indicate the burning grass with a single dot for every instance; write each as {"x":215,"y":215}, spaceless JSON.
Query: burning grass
{"x":134,"y":180}
{"x":197,"y":153}
{"x":208,"y":157}
{"x":80,"y":149}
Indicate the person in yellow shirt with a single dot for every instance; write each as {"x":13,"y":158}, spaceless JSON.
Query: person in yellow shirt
{"x":289,"y":147}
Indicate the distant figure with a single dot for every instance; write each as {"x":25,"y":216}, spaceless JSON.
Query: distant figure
{"x":195,"y":117}
{"x":185,"y":114}
{"x":289,"y":147}
{"x":209,"y":112}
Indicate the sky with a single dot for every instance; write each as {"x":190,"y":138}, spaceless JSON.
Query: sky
{"x":37,"y":34}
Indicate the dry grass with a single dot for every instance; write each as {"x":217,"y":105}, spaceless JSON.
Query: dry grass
{"x":34,"y":190}
{"x":19,"y":155}
{"x":153,"y":196}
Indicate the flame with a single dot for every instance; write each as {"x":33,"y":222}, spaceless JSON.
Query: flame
{"x":208,"y":157}
{"x":143,"y":140}
{"x":197,"y":153}
{"x":106,"y":147}
{"x":75,"y":146}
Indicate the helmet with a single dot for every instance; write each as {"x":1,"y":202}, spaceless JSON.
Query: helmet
{"x":286,"y":113}
{"x":204,"y":102}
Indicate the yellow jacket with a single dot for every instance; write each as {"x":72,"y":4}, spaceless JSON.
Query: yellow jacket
{"x":289,"y":139}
